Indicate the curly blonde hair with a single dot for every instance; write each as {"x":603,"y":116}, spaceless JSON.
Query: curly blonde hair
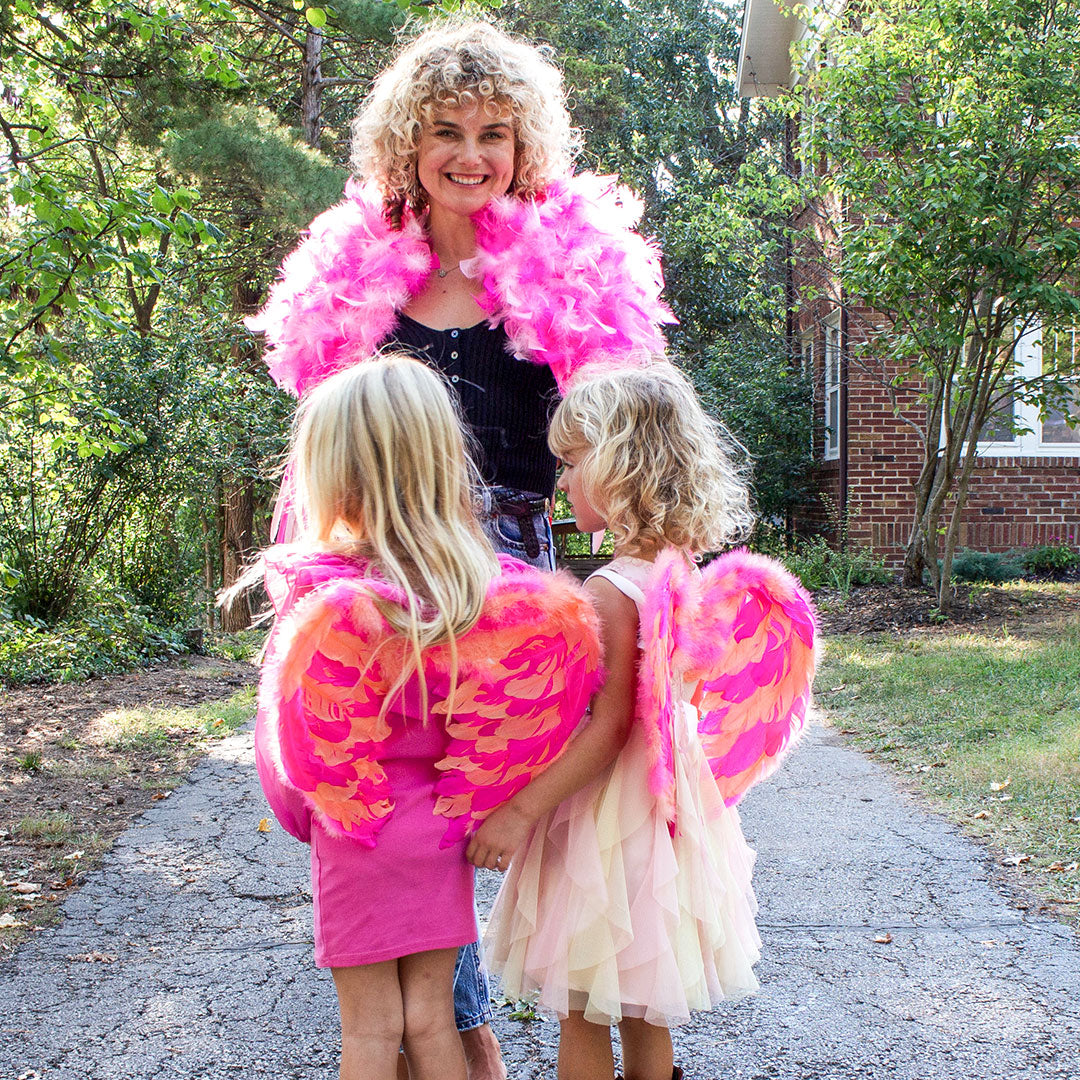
{"x":652,"y":463}
{"x":454,"y":63}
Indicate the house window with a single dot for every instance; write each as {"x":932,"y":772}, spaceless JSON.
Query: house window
{"x":832,"y":387}
{"x":1061,"y":352}
{"x":1000,"y":426}
{"x":1018,"y":429}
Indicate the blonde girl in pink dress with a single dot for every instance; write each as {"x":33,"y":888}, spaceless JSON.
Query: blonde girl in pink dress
{"x":413,"y":680}
{"x":628,"y":900}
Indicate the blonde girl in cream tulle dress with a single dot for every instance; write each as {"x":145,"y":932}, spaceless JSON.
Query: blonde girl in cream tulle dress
{"x":628,"y":897}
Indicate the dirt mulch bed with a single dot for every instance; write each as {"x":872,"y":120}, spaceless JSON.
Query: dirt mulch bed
{"x":67,"y":791}
{"x":876,"y":609}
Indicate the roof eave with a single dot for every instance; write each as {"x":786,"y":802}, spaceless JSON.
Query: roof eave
{"x":768,"y":32}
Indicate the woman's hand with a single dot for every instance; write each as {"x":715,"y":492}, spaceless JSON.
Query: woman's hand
{"x":502,"y":833}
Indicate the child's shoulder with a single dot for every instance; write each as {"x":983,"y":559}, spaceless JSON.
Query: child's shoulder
{"x":291,"y":571}
{"x":520,"y":594}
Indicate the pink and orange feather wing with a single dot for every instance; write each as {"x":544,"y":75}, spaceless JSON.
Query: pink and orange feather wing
{"x":331,"y":664}
{"x":657,"y":684}
{"x":751,"y":642}
{"x":527,"y":671}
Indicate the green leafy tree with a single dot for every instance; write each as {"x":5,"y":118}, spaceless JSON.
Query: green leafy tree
{"x":652,"y":86}
{"x":950,"y":134}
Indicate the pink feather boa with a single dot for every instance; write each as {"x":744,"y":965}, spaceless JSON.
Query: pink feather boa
{"x":566,"y":275}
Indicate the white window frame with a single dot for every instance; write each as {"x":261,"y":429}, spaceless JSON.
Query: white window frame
{"x":1030,"y":443}
{"x":831,"y":357}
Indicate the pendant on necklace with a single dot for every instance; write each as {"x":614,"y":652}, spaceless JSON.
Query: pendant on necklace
{"x":449,"y":270}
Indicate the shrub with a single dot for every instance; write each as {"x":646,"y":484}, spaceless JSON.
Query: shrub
{"x":993,"y":566}
{"x":110,"y":635}
{"x":819,"y":566}
{"x":1050,"y":559}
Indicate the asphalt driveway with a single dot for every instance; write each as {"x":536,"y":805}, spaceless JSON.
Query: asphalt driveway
{"x":188,"y":953}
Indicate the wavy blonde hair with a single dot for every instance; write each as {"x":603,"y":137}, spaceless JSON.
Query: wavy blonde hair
{"x":651,"y":462}
{"x":460,"y":62}
{"x":381,"y":471}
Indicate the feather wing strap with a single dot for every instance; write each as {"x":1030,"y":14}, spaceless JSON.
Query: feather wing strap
{"x":528,"y":669}
{"x":743,"y":630}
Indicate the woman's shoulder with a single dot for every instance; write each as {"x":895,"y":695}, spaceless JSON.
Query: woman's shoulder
{"x":573,"y":249}
{"x":341,"y":288}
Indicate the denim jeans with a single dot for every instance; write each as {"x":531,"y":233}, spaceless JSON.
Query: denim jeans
{"x":504,"y":532}
{"x":472,"y":995}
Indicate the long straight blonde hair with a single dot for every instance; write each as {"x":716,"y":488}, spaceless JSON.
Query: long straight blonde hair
{"x":381,"y":471}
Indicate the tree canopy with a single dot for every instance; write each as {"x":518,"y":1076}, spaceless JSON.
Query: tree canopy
{"x":949,"y":132}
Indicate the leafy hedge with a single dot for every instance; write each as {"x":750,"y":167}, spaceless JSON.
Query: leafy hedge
{"x":114,"y":635}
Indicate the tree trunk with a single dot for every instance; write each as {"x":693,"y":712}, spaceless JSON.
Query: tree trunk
{"x":311,"y":87}
{"x":238,"y":505}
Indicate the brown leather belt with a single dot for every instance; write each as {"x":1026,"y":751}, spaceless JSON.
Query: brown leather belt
{"x":523,"y":505}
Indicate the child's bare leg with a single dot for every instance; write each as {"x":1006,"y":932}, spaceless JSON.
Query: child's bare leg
{"x":372,"y":1020}
{"x":646,"y":1049}
{"x":584,"y":1049}
{"x":431,"y":1041}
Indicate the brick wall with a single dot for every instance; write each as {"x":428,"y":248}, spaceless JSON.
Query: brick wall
{"x":1012,"y":502}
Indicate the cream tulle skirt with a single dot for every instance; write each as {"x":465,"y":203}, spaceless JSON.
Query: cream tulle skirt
{"x":604,"y":912}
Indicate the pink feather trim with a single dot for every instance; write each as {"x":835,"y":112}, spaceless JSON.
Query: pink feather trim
{"x":339,"y":292}
{"x":566,"y":274}
{"x":744,"y":630}
{"x":569,"y":278}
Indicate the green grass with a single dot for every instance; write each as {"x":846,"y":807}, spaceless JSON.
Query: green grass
{"x":154,"y":729}
{"x":31,"y":762}
{"x":986,"y":724}
{"x":48,"y":829}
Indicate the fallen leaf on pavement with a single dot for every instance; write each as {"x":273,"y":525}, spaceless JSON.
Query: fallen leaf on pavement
{"x":883,"y":939}
{"x":264,"y":825}
{"x":94,"y":958}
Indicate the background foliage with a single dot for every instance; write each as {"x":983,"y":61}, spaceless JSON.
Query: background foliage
{"x":947,"y":131}
{"x":160,"y":159}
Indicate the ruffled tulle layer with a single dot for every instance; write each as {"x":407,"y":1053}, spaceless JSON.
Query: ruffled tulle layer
{"x":604,"y":911}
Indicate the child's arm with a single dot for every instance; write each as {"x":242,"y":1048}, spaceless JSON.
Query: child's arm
{"x":590,"y":751}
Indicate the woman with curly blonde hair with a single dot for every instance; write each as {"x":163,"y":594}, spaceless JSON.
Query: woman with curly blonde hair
{"x":466,"y":240}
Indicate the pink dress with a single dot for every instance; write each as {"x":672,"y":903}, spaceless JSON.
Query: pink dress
{"x":404,"y":895}
{"x":605,"y":912}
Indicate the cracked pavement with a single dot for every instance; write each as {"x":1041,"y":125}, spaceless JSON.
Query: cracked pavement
{"x":188,"y":952}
